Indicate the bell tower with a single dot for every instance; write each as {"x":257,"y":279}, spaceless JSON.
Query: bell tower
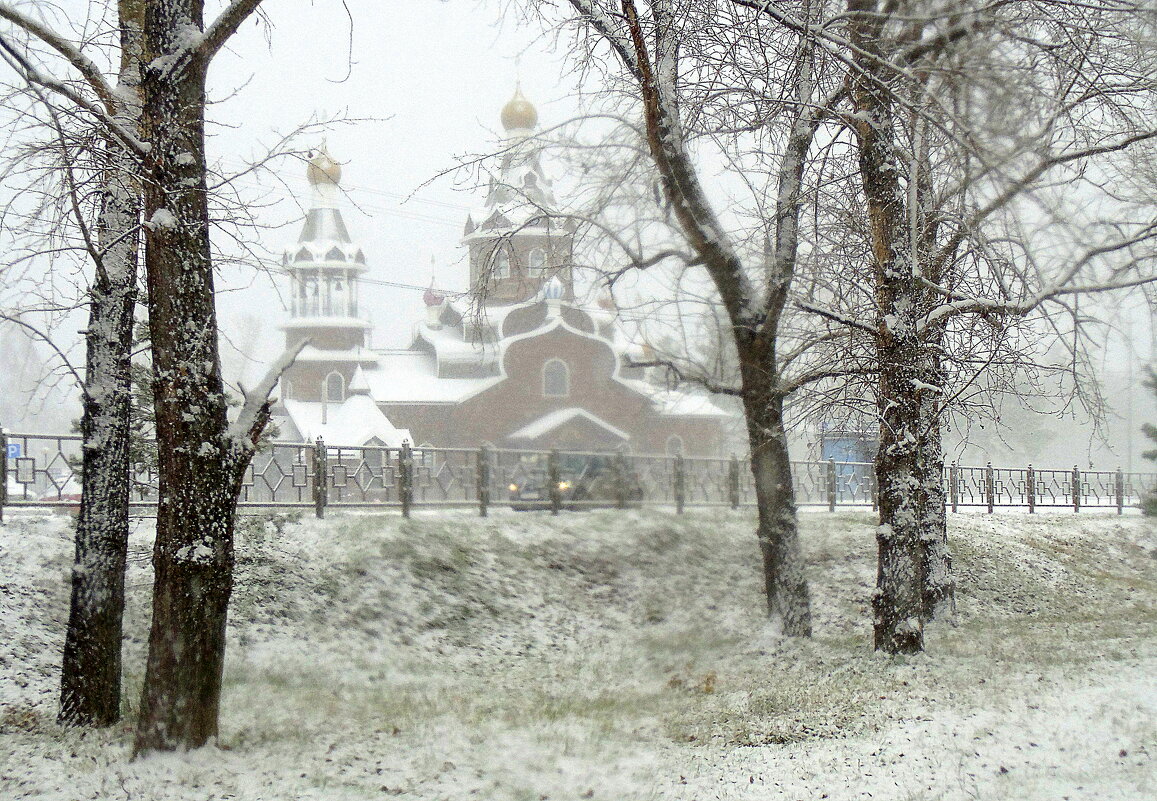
{"x":324,"y":266}
{"x":517,"y":243}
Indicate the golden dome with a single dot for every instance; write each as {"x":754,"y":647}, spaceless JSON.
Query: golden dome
{"x":323,"y":169}
{"x":519,"y":113}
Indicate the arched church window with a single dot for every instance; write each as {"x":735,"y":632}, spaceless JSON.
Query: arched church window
{"x":555,"y":379}
{"x":674,"y":445}
{"x":501,"y":266}
{"x":536,"y":260}
{"x":335,"y":388}
{"x":335,"y":254}
{"x":303,"y":255}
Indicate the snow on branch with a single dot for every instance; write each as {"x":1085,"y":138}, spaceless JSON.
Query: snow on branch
{"x":619,"y":42}
{"x":206,"y":44}
{"x":834,"y":316}
{"x":67,"y":50}
{"x":683,"y":377}
{"x":29,"y":72}
{"x":255,"y":410}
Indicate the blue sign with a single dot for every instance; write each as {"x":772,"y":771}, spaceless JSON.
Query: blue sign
{"x":15,"y":451}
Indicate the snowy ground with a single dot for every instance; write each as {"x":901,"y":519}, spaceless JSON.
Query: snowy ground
{"x":616,"y":656}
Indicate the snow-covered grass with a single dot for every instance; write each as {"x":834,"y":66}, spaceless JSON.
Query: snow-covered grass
{"x":615,"y":655}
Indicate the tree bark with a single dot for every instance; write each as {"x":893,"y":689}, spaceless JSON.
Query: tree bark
{"x":785,"y":585}
{"x":938,"y":586}
{"x":90,"y":684}
{"x":199,"y":463}
{"x":898,"y":602}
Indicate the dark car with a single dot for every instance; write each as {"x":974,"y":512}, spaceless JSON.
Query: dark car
{"x":584,"y":482}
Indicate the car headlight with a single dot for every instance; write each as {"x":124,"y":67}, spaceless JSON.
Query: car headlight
{"x":513,"y":488}
{"x":564,"y":485}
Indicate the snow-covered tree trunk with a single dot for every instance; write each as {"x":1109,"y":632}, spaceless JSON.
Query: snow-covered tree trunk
{"x":200,"y":460}
{"x":898,"y":602}
{"x":938,"y":586}
{"x":90,"y":685}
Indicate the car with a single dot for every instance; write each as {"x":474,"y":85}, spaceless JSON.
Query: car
{"x":584,"y":481}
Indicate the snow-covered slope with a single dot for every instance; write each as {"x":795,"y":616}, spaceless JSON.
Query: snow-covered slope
{"x":615,"y":655}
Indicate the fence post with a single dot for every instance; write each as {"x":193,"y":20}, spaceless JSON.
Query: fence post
{"x":3,"y":472}
{"x":954,"y":485}
{"x":831,"y":485}
{"x":989,"y":486}
{"x":1030,"y":489}
{"x":733,"y":482}
{"x":680,"y":486}
{"x":1120,"y":487}
{"x":621,"y":472}
{"x":1076,"y":489}
{"x":483,"y":480}
{"x":555,"y":478}
{"x":874,"y":488}
{"x":406,"y":477}
{"x":320,"y":478}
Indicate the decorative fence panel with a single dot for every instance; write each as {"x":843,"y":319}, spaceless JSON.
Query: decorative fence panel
{"x":43,"y":470}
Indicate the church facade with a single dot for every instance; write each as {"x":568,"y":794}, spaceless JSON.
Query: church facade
{"x":516,"y":362}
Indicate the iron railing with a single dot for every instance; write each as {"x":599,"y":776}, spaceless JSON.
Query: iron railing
{"x":42,"y":470}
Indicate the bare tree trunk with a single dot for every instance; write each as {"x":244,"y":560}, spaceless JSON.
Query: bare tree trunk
{"x":199,"y":462}
{"x":785,"y":585}
{"x":898,"y":602}
{"x":90,"y":683}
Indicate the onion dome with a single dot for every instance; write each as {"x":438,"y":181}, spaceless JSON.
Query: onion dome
{"x":553,"y":289}
{"x":519,"y":114}
{"x":433,"y":297}
{"x":323,"y":169}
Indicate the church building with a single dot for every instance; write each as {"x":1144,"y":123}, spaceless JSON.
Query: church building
{"x":516,"y":362}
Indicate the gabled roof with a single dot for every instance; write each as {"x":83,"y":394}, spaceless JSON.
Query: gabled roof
{"x":553,"y":420}
{"x":411,"y":376}
{"x":354,"y":422}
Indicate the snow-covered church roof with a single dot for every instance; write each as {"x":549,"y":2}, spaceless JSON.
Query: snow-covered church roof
{"x":355,"y":421}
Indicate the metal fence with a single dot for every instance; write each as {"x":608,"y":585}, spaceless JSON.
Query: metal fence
{"x":42,"y":470}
